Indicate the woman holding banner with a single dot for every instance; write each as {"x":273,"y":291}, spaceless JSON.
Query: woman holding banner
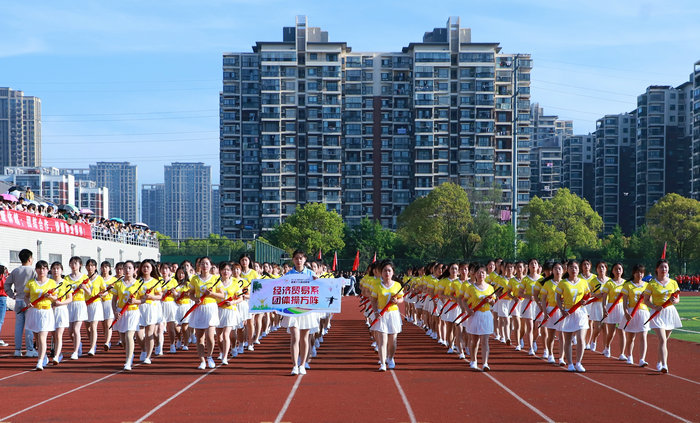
{"x":299,"y":326}
{"x":386,"y":298}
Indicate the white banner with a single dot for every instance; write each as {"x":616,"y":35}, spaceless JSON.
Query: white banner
{"x":296,"y":294}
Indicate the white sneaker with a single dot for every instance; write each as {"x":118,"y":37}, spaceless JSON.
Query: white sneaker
{"x":202,"y":365}
{"x":571,"y":368}
{"x":39,"y":365}
{"x":234,"y":352}
{"x":450,"y":350}
{"x":91,"y":353}
{"x":534,"y":346}
{"x":551,"y":359}
{"x":382,"y":367}
{"x":73,"y":356}
{"x":185,"y":348}
{"x":574,"y":341}
{"x":142,"y":356}
{"x":147,"y":361}
{"x":462,"y":356}
{"x":630,"y":360}
{"x":390,"y":364}
{"x":251,"y":348}
{"x":545,"y":354}
{"x":592,"y":346}
{"x":224,"y":362}
{"x":256,"y":342}
{"x":295,"y":370}
{"x":221,"y":356}
{"x":531,"y":352}
{"x":606,"y":352}
{"x":3,"y":343}
{"x":659,"y":366}
{"x":313,"y":351}
{"x":434,"y":335}
{"x":472,"y":365}
{"x":173,"y":349}
{"x":158,"y":350}
{"x":580,"y":368}
{"x":664,"y":369}
{"x":307,"y":366}
{"x":210,"y":363}
{"x":302,"y":370}
{"x":643,"y":363}
{"x":518,"y":348}
{"x":622,"y":357}
{"x":127,"y":366}
{"x":240,"y":349}
{"x":562,"y":362}
{"x":522,"y":343}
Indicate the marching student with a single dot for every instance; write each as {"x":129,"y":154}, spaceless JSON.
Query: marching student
{"x":60,"y":311}
{"x":570,"y":292}
{"x":387,"y":294}
{"x":504,"y":304}
{"x":445,"y":291}
{"x":149,"y":308}
{"x":169,"y":305}
{"x":548,"y":304}
{"x":595,"y":308}
{"x":251,"y":321}
{"x":205,"y":318}
{"x":633,"y":303}
{"x":40,"y":317}
{"x":479,"y":322}
{"x":530,"y":292}
{"x":515,"y":284}
{"x":661,"y":296}
{"x":182,"y":322}
{"x":127,"y":324}
{"x":613,"y":311}
{"x":77,"y":310}
{"x":107,"y":308}
{"x":230,"y":291}
{"x":94,"y":310}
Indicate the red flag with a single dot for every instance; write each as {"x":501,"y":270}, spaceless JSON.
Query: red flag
{"x":663,"y":254}
{"x":335,"y":260}
{"x":375,"y":257}
{"x":356,"y":263}
{"x":319,"y":254}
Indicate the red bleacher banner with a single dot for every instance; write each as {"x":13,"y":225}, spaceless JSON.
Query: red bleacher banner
{"x":32,"y":222}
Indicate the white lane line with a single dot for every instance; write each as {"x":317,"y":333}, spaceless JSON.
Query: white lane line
{"x":409,"y":410}
{"x":517,"y":397}
{"x":634,"y":398}
{"x":686,"y":330}
{"x":682,"y":378}
{"x":288,"y":401}
{"x":16,"y":374}
{"x":61,"y":395}
{"x":177,"y":394}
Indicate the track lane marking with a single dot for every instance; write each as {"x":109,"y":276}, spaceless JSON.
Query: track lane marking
{"x":667,"y":374}
{"x":177,"y":394}
{"x":634,"y":398}
{"x":62,"y":394}
{"x":16,"y":374}
{"x":288,"y":401}
{"x":409,"y":410}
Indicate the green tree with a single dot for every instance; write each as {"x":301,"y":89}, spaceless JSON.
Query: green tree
{"x":438,"y":225}
{"x":562,"y":225}
{"x":498,"y":242}
{"x":369,"y":237}
{"x":310,"y":228}
{"x":641,"y":246}
{"x":676,"y":220}
{"x":614,"y":246}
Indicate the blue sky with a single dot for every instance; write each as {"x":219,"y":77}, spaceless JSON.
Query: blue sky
{"x":139,"y":81}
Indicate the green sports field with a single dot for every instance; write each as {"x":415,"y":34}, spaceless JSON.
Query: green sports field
{"x":689,"y":309}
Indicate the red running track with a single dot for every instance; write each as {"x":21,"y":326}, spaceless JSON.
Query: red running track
{"x":343,"y":385}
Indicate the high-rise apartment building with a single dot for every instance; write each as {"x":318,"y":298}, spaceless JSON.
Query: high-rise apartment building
{"x":20,"y":129}
{"x":188,"y":200}
{"x":48,"y":183}
{"x":120,"y":178}
{"x":90,"y":196}
{"x":153,"y":206}
{"x":578,"y":174}
{"x":614,"y":164}
{"x":548,"y":132}
{"x":305,"y":119}
{"x":695,"y":78}
{"x":663,"y":145}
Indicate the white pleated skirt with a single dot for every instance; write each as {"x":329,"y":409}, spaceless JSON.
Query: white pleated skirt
{"x":530,"y":312}
{"x":667,"y":319}
{"x":503,"y":307}
{"x":450,"y":316}
{"x":549,"y":324}
{"x":77,"y":311}
{"x":636,"y":324}
{"x":411,"y":300}
{"x":244,"y":310}
{"x":150,"y":314}
{"x":181,"y":311}
{"x":419,"y":302}
{"x":40,"y":320}
{"x":61,"y":318}
{"x":595,"y":311}
{"x":229,"y":318}
{"x":616,"y":315}
{"x":435,"y":311}
{"x":574,"y":322}
{"x":95,"y":312}
{"x":480,"y":323}
{"x":205,"y":316}
{"x":169,"y":311}
{"x":306,"y":321}
{"x":128,"y":322}
{"x":107,"y":311}
{"x":389,"y":323}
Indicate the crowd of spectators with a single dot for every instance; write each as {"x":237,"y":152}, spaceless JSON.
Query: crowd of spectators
{"x":114,"y":229}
